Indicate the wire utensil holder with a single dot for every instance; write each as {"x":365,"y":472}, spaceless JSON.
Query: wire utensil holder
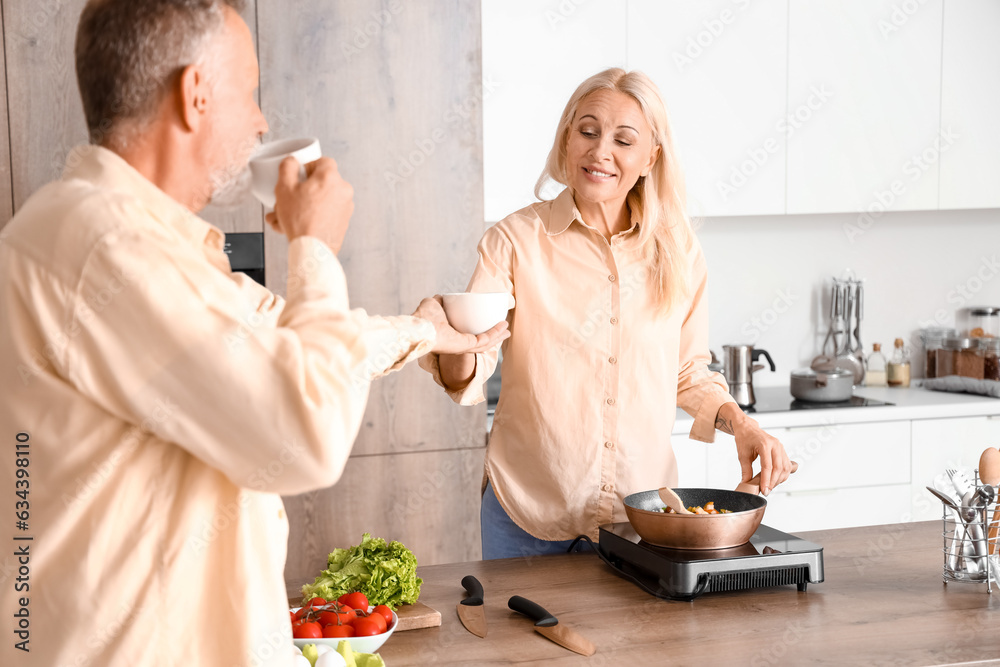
{"x":970,"y":543}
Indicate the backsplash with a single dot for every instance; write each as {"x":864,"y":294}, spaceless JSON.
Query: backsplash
{"x":770,"y":277}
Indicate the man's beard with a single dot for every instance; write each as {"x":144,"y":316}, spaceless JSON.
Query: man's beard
{"x":231,"y":183}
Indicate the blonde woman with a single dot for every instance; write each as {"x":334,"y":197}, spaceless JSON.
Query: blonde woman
{"x":608,"y":336}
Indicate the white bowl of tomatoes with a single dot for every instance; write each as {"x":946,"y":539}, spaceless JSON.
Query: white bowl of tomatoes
{"x":320,"y":621}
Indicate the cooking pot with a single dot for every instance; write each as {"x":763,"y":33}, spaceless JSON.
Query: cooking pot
{"x":696,"y":531}
{"x":822,"y":386}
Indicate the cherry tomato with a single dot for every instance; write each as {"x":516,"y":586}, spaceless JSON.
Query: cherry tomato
{"x":301,"y":613}
{"x":315,"y":602}
{"x":357,"y":600}
{"x":292,"y":614}
{"x":385,"y":613}
{"x":308,"y":630}
{"x":331,"y":631}
{"x":379,"y":621}
{"x":366,"y":627}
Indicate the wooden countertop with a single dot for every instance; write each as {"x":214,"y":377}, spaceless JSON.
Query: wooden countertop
{"x":882,"y":603}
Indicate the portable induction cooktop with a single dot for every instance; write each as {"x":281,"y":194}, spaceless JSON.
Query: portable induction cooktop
{"x":770,"y":558}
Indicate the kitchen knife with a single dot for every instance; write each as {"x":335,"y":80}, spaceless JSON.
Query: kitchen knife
{"x":549,"y":627}
{"x":471,"y":610}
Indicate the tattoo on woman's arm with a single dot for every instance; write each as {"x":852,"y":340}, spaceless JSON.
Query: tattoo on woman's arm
{"x":724,"y":425}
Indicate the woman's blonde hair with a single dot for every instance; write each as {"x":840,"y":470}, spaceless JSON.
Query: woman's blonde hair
{"x":664,"y":230}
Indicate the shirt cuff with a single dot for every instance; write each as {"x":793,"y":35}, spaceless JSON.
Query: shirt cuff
{"x":392,"y":342}
{"x":703,"y":429}
{"x":314,"y":272}
{"x":472,"y":393}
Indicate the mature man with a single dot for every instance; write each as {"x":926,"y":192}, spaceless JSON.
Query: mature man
{"x":154,"y":403}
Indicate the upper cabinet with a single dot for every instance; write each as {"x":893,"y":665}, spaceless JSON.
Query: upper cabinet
{"x":970,"y":104}
{"x":535,"y":54}
{"x":788,"y":106}
{"x":721,"y":67}
{"x":866,"y":78}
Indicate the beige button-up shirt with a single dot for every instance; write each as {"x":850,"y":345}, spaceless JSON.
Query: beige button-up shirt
{"x":591,"y":375}
{"x":164,"y":403}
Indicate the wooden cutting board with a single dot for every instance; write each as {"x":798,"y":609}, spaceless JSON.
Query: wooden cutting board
{"x":417,"y":615}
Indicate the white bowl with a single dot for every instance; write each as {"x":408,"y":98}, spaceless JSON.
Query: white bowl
{"x":267,"y":158}
{"x":476,"y":312}
{"x":358,"y":644}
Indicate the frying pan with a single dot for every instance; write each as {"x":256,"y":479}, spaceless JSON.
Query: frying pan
{"x":699,"y":531}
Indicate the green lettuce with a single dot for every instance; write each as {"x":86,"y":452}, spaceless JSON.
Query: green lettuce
{"x":385,"y":572}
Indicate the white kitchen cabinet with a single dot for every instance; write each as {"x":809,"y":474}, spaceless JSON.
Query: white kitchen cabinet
{"x":535,"y":54}
{"x":692,"y":458}
{"x":939,"y":444}
{"x":970,"y":104}
{"x":864,"y":100}
{"x":849,"y":475}
{"x":721,"y":67}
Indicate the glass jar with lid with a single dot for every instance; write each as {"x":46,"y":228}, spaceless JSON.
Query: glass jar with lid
{"x":991,"y":358}
{"x":960,"y":356}
{"x":983,"y":322}
{"x":933,"y":341}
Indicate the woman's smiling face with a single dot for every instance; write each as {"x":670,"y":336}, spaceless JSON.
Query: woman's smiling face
{"x":610,"y":145}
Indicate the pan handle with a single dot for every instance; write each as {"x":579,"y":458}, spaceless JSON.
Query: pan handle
{"x":753,"y":486}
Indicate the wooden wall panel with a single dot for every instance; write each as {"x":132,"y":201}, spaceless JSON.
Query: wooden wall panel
{"x":393,"y":91}
{"x":46,"y":117}
{"x":429,"y":501}
{"x":6,"y":190}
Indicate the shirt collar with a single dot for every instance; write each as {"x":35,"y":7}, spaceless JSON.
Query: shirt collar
{"x":564,"y":212}
{"x":107,"y":169}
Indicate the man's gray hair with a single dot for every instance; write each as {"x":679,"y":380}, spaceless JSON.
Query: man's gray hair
{"x":128,"y":52}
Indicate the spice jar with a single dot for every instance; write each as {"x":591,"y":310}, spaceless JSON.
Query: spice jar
{"x":933,"y":341}
{"x":991,"y":358}
{"x":983,"y":322}
{"x":960,"y":356}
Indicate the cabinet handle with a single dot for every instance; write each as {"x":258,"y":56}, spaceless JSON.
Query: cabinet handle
{"x":810,"y":492}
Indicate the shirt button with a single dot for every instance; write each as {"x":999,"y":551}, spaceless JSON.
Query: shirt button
{"x":614,"y":320}
{"x":609,"y":445}
{"x":611,"y":401}
{"x":281,"y":514}
{"x":611,"y":277}
{"x":613,"y":360}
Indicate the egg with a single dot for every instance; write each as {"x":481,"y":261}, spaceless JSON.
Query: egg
{"x":302,"y":661}
{"x":331,"y":659}
{"x":989,"y":466}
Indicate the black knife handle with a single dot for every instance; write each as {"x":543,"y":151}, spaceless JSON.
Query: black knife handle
{"x":532,"y":610}
{"x":475,"y":590}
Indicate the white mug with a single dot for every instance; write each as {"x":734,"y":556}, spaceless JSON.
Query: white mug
{"x":267,"y":158}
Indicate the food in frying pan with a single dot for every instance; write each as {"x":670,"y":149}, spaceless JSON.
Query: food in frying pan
{"x":707,"y":508}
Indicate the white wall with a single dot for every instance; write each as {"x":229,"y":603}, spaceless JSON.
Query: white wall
{"x":769,"y":277}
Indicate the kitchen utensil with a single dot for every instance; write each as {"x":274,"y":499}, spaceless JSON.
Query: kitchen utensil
{"x":822,"y":386}
{"x":828,"y":351}
{"x":989,"y":472}
{"x":753,"y":486}
{"x":671,"y":499}
{"x":696,"y":531}
{"x":549,"y":627}
{"x":957,"y":546}
{"x":472,"y":610}
{"x":984,"y":495}
{"x":739,"y":368}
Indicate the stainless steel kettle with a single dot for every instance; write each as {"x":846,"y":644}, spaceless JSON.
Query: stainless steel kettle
{"x":739,"y":367}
